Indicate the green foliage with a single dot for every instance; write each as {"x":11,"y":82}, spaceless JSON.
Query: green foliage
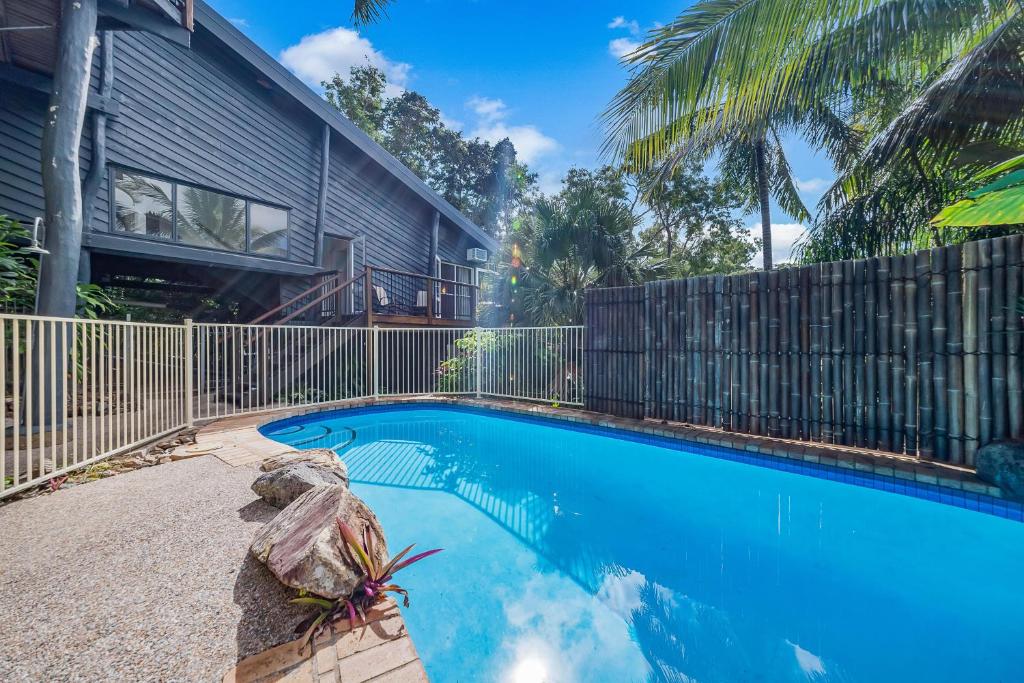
{"x":19,"y":270}
{"x":934,"y":87}
{"x":457,"y":373}
{"x":482,"y":180}
{"x":374,"y":586}
{"x":694,"y":222}
{"x":582,"y":237}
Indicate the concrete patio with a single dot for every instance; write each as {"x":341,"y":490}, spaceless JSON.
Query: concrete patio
{"x":146,"y":576}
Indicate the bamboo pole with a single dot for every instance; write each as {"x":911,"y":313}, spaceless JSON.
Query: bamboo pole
{"x":983,"y":325}
{"x":910,"y":350}
{"x":849,"y":391}
{"x":955,"y":351}
{"x":803,"y":361}
{"x":1014,"y":341}
{"x":940,"y":397}
{"x":816,"y":333}
{"x":754,"y":357}
{"x":998,"y":335}
{"x":734,"y":359}
{"x":871,"y":352}
{"x":763,"y":363}
{"x":898,"y":348}
{"x":719,"y":339}
{"x":925,"y":357}
{"x":883,"y":329}
{"x":742,"y":290}
{"x":774,"y":364}
{"x":859,"y":373}
{"x":970,"y":351}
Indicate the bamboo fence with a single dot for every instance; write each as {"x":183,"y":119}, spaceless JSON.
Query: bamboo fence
{"x":917,"y":354}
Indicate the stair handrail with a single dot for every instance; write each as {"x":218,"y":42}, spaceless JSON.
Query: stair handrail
{"x":320,"y":285}
{"x":322,"y":297}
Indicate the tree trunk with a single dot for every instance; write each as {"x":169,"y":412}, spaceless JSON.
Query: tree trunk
{"x":668,"y":241}
{"x":62,"y":136}
{"x":762,"y":196}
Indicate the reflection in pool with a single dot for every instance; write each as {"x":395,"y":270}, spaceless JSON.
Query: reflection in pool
{"x":571,"y":556}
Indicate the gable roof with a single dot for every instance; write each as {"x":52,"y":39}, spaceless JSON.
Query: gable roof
{"x":251,"y":53}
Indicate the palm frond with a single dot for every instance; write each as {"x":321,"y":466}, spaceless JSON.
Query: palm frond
{"x":366,"y":12}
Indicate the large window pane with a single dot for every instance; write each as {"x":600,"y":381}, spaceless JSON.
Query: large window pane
{"x":142,"y":205}
{"x":210,"y":219}
{"x":268,"y":230}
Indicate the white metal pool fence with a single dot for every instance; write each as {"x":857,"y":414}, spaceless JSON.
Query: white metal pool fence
{"x":77,"y":391}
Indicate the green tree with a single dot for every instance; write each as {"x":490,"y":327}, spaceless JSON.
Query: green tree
{"x":694,"y":222}
{"x":360,"y":98}
{"x":726,"y":68}
{"x":582,"y":237}
{"x":484,"y":181}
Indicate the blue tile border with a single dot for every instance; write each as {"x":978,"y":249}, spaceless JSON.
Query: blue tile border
{"x":943,"y":495}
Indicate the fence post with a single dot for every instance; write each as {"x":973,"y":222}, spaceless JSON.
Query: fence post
{"x":375,"y":365}
{"x":189,"y":352}
{"x":479,"y":358}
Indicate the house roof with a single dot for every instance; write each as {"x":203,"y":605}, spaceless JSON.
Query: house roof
{"x":251,"y":53}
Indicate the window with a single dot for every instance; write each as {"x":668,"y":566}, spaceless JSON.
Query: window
{"x":455,"y":301}
{"x":143,"y":206}
{"x":163,"y":209}
{"x":268,"y":230}
{"x":210,"y":219}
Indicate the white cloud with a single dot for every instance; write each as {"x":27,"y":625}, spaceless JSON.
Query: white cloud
{"x":492,"y":125}
{"x":486,"y":108}
{"x":784,"y":237}
{"x":620,"y":47}
{"x":319,"y":56}
{"x":812,"y":185}
{"x":239,"y":22}
{"x":630,"y":25}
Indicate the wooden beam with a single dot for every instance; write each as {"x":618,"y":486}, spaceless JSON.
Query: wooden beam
{"x":434,"y":227}
{"x":321,"y":200}
{"x":116,"y":17}
{"x":44,"y":84}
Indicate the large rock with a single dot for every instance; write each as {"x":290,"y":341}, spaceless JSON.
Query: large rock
{"x":1002,"y":464}
{"x":302,"y":546}
{"x":281,"y":486}
{"x":322,"y":456}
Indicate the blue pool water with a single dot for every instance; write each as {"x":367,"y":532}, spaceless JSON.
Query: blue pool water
{"x":572,"y":556}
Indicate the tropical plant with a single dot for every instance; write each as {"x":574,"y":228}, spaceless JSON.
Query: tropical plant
{"x":372,"y":588}
{"x":736,"y":68}
{"x":582,"y":237}
{"x":18,"y":268}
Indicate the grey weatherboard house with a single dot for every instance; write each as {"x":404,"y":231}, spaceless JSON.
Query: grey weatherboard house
{"x":226,"y":176}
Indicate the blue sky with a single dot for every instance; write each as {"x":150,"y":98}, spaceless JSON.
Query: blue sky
{"x":539,"y":72}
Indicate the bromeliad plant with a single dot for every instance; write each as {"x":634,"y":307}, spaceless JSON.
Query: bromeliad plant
{"x":374,"y":586}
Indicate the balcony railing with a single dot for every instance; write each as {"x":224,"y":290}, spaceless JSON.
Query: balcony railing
{"x":379,"y":296}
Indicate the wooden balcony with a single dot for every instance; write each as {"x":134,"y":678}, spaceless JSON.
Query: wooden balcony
{"x":379,"y":296}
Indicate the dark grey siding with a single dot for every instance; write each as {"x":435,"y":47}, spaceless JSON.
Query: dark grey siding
{"x":196,"y":115}
{"x":204,"y":116}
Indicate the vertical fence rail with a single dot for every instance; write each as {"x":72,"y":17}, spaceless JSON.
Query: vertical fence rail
{"x":241,"y":369}
{"x":917,"y":354}
{"x":76,"y":391}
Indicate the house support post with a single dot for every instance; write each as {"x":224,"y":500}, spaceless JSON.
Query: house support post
{"x":435,"y":224}
{"x":321,"y":200}
{"x":62,"y":138}
{"x":98,"y":163}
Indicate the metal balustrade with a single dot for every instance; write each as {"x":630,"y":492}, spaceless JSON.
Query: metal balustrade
{"x":77,"y":391}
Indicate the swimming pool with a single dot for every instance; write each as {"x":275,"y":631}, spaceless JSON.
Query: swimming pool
{"x":573,"y":556}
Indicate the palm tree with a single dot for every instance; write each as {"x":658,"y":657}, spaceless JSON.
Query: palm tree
{"x":742,"y":68}
{"x":578,"y":239}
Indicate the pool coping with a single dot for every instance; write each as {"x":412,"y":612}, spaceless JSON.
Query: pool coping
{"x":938,"y":482}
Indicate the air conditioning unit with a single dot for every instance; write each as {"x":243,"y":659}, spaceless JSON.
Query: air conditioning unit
{"x":476,"y":255}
